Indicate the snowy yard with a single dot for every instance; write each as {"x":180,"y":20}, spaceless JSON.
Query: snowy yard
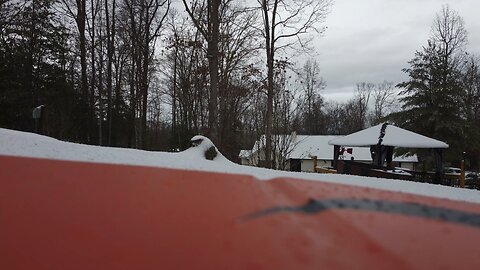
{"x":22,"y":144}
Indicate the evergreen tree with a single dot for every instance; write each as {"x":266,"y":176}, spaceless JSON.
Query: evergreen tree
{"x":431,"y":100}
{"x":471,"y":111}
{"x":33,"y":66}
{"x":432,"y":97}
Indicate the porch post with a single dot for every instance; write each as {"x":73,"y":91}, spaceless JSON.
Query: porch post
{"x":336,"y":153}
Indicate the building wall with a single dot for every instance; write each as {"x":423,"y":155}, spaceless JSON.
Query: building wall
{"x":307,"y":164}
{"x":406,"y":165}
{"x":257,"y":159}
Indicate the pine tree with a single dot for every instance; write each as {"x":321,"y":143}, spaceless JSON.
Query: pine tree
{"x":471,"y":111}
{"x":432,"y":97}
{"x":33,"y":64}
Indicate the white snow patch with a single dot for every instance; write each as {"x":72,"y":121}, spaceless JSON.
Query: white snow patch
{"x":22,"y":144}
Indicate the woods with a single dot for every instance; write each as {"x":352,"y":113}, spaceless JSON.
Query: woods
{"x":150,"y":74}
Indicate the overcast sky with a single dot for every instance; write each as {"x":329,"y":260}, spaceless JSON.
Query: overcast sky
{"x":372,"y":40}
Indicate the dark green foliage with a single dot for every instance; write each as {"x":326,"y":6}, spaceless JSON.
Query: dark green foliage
{"x":433,"y":101}
{"x":441,"y":97}
{"x":33,"y":60}
{"x":471,"y":110}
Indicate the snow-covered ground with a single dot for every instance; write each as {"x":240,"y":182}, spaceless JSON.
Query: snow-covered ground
{"x":16,"y":143}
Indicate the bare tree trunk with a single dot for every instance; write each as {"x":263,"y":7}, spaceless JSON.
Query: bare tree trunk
{"x":76,"y":9}
{"x":100,"y":93}
{"x":132,"y":76}
{"x":93,"y":67}
{"x":213,"y":70}
{"x":269,"y":113}
{"x":30,"y":85}
{"x":119,"y":70}
{"x":80,"y":20}
{"x":110,"y":29}
{"x":211,"y":35}
{"x":270,"y":50}
{"x":101,"y":68}
{"x":144,"y":90}
{"x":174,"y":94}
{"x":133,"y":102}
{"x":294,"y":24}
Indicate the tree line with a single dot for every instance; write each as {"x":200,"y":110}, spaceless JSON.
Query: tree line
{"x":142,"y":73}
{"x":150,"y":74}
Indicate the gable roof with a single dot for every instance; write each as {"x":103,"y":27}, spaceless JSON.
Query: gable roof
{"x":315,"y":145}
{"x":394,"y":136}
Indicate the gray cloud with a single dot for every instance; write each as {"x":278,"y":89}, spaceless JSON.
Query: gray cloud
{"x":372,"y":40}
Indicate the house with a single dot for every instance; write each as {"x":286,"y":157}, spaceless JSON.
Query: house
{"x":298,"y":153}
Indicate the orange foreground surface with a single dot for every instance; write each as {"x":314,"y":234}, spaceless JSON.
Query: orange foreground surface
{"x":72,"y":215}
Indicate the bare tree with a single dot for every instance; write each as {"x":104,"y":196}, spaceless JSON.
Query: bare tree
{"x":284,"y":24}
{"x":94,"y":9}
{"x":252,"y":116}
{"x":145,"y":19}
{"x":155,"y":13}
{"x":77,"y":10}
{"x":283,"y":116}
{"x":448,"y":33}
{"x":110,"y":18}
{"x":312,"y":83}
{"x":239,"y":45}
{"x":361,"y":100}
{"x":283,"y":146}
{"x":310,"y":103}
{"x":384,"y":97}
{"x":186,"y":72}
{"x":209,"y":26}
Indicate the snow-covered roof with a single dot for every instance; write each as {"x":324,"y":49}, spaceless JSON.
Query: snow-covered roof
{"x":394,"y":136}
{"x":315,"y":145}
{"x":307,"y":146}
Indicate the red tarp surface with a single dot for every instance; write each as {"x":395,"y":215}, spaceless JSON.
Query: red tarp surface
{"x":73,"y":215}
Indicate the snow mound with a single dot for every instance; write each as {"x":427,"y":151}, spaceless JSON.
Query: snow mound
{"x":203,"y":147}
{"x":23,"y":144}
